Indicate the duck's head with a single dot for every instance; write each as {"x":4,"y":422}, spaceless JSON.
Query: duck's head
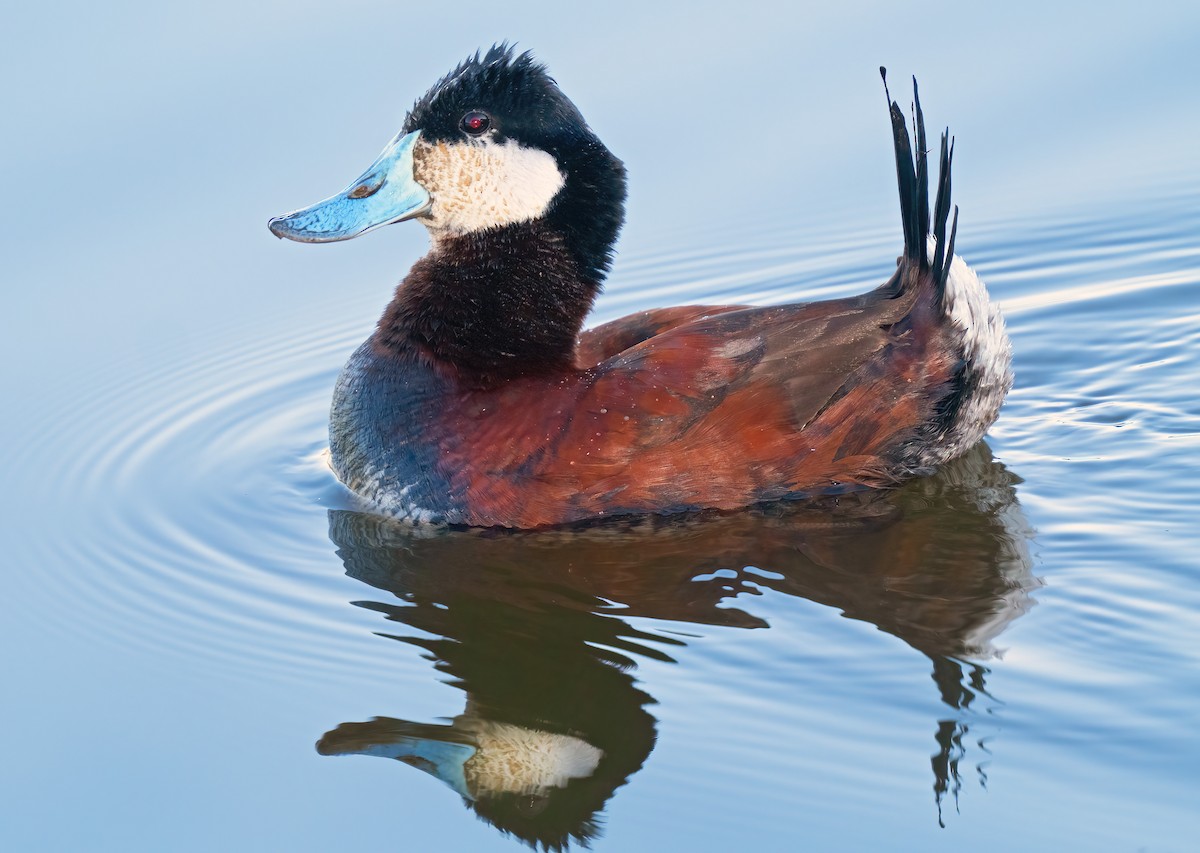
{"x":493,"y":144}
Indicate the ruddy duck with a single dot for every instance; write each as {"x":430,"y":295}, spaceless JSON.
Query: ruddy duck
{"x":479,"y":401}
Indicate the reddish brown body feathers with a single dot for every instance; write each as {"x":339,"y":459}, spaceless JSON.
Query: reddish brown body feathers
{"x":703,"y":407}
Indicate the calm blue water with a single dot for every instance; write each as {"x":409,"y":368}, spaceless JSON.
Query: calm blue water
{"x":205,"y":649}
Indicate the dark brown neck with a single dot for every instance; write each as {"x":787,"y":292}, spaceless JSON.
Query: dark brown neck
{"x":493,"y":305}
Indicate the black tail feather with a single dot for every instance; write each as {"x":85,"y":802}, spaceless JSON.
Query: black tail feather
{"x":922,"y":172}
{"x":907,"y":180}
{"x":941,"y":207}
{"x":941,"y":281}
{"x":912,"y":175}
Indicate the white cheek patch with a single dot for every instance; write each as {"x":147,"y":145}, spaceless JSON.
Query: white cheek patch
{"x":480,"y":185}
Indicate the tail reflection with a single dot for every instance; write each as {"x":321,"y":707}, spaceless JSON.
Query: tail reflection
{"x":532,"y":626}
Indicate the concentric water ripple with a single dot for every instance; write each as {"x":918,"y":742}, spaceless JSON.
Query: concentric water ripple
{"x":203,"y":532}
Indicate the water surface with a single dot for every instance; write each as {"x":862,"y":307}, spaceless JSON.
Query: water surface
{"x":208,"y":648}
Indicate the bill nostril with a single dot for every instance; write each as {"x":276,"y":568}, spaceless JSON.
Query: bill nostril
{"x":367,"y":188}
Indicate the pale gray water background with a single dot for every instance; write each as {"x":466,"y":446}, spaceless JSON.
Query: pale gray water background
{"x":177,"y":627}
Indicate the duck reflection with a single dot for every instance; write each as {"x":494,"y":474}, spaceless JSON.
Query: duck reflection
{"x":534,"y":627}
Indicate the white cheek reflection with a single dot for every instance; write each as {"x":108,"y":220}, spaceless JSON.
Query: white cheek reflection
{"x":514,"y":759}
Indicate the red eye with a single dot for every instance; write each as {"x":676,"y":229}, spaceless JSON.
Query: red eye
{"x":476,"y":122}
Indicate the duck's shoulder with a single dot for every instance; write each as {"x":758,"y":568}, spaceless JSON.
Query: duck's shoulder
{"x":802,"y":352}
{"x":600,"y":343}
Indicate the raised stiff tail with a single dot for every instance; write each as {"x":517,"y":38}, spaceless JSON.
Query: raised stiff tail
{"x":913,"y":180}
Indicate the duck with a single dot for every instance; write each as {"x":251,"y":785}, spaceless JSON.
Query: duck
{"x":480,"y":400}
